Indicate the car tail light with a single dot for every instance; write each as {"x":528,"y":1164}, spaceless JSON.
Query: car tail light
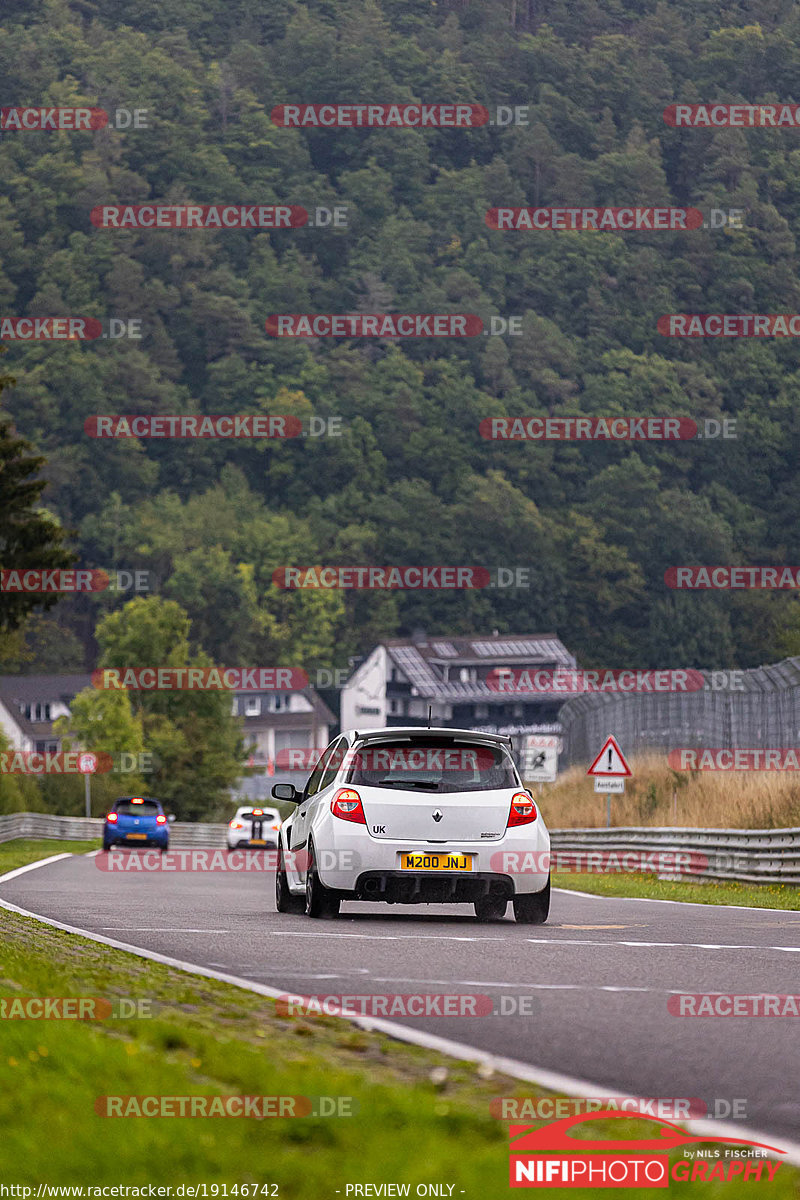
{"x":161,"y":820}
{"x":234,"y":824}
{"x":346,"y":804}
{"x":276,"y":826}
{"x":112,"y":817}
{"x":523,"y":810}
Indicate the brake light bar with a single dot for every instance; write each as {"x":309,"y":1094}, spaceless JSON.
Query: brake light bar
{"x":346,"y":805}
{"x":523,"y":810}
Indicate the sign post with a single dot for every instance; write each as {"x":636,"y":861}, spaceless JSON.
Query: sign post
{"x":610,"y":770}
{"x":87,"y":765}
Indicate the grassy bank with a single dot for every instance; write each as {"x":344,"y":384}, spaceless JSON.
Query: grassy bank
{"x":659,"y":795}
{"x":418,"y":1117}
{"x":22,"y":851}
{"x":650,"y":887}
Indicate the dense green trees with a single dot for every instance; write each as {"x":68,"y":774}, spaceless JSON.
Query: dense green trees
{"x":410,"y":480}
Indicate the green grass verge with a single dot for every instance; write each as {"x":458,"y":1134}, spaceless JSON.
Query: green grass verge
{"x":22,"y":851}
{"x":208,"y":1038}
{"x":649,"y":886}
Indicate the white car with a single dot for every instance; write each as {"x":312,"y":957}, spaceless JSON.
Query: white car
{"x":414,"y":816}
{"x":254,"y":826}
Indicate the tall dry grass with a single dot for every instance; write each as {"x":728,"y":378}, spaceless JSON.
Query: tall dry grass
{"x":659,"y":795}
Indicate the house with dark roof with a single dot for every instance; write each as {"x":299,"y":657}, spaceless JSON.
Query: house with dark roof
{"x":400,"y":678}
{"x":272,"y":721}
{"x":29,"y":704}
{"x":276,"y":722}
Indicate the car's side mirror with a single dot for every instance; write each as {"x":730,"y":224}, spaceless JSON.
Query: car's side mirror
{"x":171,"y":818}
{"x":287,"y":792}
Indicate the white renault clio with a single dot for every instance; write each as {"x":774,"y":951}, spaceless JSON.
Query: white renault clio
{"x":414,"y":816}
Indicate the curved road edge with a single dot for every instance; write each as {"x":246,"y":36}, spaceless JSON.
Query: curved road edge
{"x":550,"y":1080}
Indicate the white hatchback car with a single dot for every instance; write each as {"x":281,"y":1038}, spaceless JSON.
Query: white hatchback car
{"x":414,"y":816}
{"x":254,"y":826}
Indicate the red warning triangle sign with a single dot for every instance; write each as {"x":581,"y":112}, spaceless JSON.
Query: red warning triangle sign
{"x":610,"y":761}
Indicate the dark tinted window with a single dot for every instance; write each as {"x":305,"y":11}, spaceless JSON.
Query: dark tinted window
{"x":148,"y":808}
{"x":432,"y":764}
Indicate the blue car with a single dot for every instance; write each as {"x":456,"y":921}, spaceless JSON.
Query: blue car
{"x":136,"y":821}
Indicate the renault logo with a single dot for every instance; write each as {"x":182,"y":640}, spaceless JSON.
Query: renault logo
{"x":437,"y":816}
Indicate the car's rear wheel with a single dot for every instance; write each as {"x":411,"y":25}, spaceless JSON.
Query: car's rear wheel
{"x":533,"y":909}
{"x":491,"y":908}
{"x":320,"y":900}
{"x":285,"y":902}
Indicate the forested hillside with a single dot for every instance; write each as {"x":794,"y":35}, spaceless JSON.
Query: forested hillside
{"x":410,"y":480}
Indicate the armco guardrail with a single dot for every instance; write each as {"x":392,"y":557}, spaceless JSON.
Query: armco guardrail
{"x":745,"y":855}
{"x":183,"y":834}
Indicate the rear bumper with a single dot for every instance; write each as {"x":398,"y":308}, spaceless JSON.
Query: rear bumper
{"x":432,"y":887}
{"x":348,"y":854}
{"x":244,"y":844}
{"x":152,"y":839}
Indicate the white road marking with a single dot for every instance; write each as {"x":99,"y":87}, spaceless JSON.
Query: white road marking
{"x":42,"y":862}
{"x":157,"y":929}
{"x":694,"y":903}
{"x":445,"y":937}
{"x":92,"y":854}
{"x":554,"y":1081}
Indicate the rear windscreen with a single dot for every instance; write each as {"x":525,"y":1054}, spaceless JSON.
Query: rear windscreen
{"x":432,"y":765}
{"x":147,"y":808}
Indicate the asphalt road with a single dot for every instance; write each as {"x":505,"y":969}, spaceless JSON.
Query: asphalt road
{"x":600,"y":973}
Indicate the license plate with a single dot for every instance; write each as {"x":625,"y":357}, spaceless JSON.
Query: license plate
{"x":258,"y":841}
{"x":436,"y":862}
{"x":139,"y":837}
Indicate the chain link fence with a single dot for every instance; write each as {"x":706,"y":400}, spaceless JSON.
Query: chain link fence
{"x":759,"y":708}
